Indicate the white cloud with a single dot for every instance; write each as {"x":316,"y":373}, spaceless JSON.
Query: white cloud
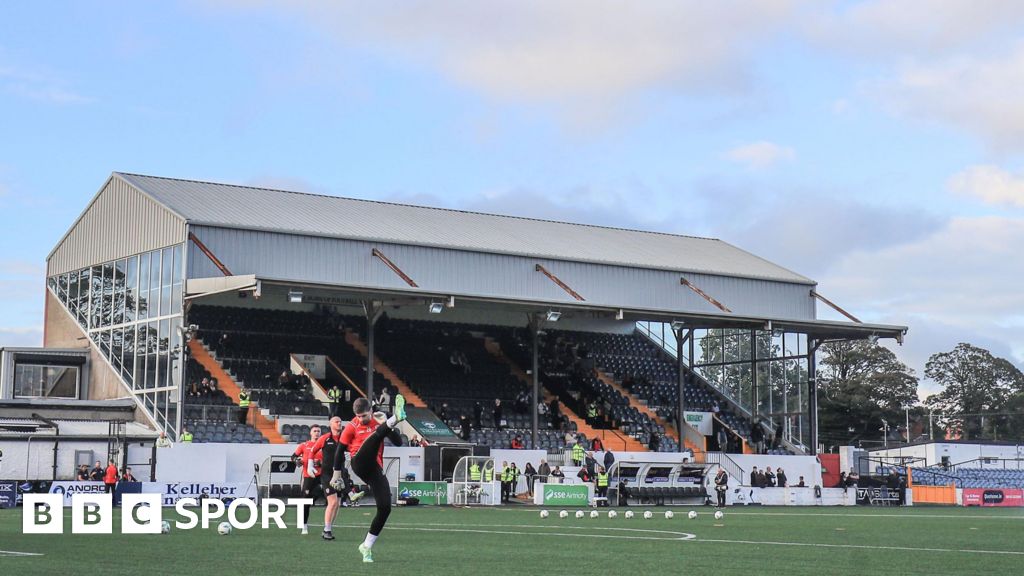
{"x":21,"y":336}
{"x":570,"y":53}
{"x":924,"y":28}
{"x":964,"y":277}
{"x":760,"y":155}
{"x":975,"y":94}
{"x":991,"y":184}
{"x":40,"y":86}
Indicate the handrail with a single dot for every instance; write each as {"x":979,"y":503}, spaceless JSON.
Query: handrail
{"x":986,"y":460}
{"x":347,"y":379}
{"x":319,"y":391}
{"x":731,"y":430}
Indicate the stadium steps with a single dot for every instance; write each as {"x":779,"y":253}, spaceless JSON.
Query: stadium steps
{"x":411,"y":398}
{"x":698,"y":451}
{"x":630,"y":444}
{"x":227,"y":384}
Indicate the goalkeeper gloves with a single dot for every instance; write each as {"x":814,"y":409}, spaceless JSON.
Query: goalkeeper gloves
{"x":338,"y":481}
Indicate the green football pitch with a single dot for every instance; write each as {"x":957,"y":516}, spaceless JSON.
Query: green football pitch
{"x":516,"y":540}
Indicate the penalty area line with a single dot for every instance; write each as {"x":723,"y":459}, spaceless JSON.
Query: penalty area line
{"x":15,"y":554}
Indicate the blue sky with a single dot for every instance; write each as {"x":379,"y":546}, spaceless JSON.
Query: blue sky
{"x":874,"y":146}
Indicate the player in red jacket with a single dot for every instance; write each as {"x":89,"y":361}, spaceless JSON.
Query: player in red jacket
{"x":364,"y":440}
{"x":305,"y":456}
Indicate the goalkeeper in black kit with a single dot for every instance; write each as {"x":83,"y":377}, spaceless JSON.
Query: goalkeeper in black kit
{"x":363,"y":439}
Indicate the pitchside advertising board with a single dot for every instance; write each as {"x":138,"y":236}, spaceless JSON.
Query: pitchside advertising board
{"x":8,"y":493}
{"x":432,"y":493}
{"x":993,"y":497}
{"x":566,"y":495}
{"x":170,"y":492}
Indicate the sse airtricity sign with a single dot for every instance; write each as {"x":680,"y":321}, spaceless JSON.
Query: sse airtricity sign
{"x":143,"y":513}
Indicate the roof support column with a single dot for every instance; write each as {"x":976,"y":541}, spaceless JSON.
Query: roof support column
{"x":755,"y":411}
{"x":373,"y":311}
{"x":535,"y":338}
{"x":681,"y":379}
{"x":812,"y":396}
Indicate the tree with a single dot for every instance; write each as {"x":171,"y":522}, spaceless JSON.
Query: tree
{"x":860,"y":384}
{"x":974,"y":382}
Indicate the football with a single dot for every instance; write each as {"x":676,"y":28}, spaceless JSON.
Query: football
{"x":579,"y":513}
{"x":612,"y":513}
{"x":648,"y":515}
{"x":692,"y":515}
{"x":224,"y":529}
{"x":594,"y":513}
{"x":563,"y":514}
{"x":628,"y":514}
{"x":719,"y":515}
{"x":543,"y":513}
{"x":165,"y":528}
{"x":669,"y":514}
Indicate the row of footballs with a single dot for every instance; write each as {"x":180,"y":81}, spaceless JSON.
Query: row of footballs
{"x":692,"y":515}
{"x":223,"y":528}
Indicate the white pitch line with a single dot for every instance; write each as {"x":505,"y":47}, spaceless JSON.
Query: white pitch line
{"x":434,"y":527}
{"x":894,"y":516}
{"x":861,"y":546}
{"x":5,"y":553}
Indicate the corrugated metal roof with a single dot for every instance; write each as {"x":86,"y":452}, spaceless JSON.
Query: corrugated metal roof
{"x":244,"y":207}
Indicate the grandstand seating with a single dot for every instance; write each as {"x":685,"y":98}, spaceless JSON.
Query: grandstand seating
{"x":962,"y":477}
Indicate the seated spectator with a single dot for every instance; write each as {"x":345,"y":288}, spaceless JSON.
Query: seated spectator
{"x":557,"y":473}
{"x":597,"y":445}
{"x":516,"y":444}
{"x":126,"y":475}
{"x":801,"y":483}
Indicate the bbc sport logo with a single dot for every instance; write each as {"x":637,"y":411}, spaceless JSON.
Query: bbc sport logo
{"x":93,"y":513}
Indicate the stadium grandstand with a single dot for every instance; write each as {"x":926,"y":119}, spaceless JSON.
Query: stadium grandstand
{"x":233,"y":311}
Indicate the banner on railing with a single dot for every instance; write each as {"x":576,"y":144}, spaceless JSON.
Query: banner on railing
{"x":315,"y":364}
{"x":702,"y":422}
{"x":993,"y":497}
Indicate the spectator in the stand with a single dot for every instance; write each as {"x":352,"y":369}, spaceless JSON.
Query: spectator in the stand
{"x":555,"y":411}
{"x":591,"y":463}
{"x":842,"y":480}
{"x":654,"y":442}
{"x":384,"y":400}
{"x":762,"y":479}
{"x":557,"y":474}
{"x":723,"y":439}
{"x":96,"y":474}
{"x":531,"y":473}
{"x":478,"y":416}
{"x":464,"y":427}
{"x":757,"y":438}
{"x":778,"y":435}
{"x":542,"y":410}
{"x":596,"y":445}
{"x":418,"y":441}
{"x":211,"y":386}
{"x":543,"y":471}
{"x":570,"y":440}
{"x":204,"y":387}
{"x":584,"y":476}
{"x":780,"y":478}
{"x":592,"y":413}
{"x":163,"y":441}
{"x":769,"y":477}
{"x":83,"y":473}
{"x":522,"y":402}
{"x":754,"y":481}
{"x":443,"y":412}
{"x":126,"y":475}
{"x":609,"y":459}
{"x":852,"y":478}
{"x":715,"y":409}
{"x":801,"y":483}
{"x":284,"y":380}
{"x":517,"y":443}
{"x":497,"y":414}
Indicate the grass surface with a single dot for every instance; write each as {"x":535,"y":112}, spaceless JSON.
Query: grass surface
{"x":450,"y":541}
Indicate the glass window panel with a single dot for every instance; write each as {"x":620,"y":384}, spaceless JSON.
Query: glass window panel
{"x":117,"y":348}
{"x":162,"y":354}
{"x":154,"y":270}
{"x":144,"y":271}
{"x":36,"y":381}
{"x":165,"y":301}
{"x":73,"y":293}
{"x":177,"y":275}
{"x":141,"y":343}
{"x":83,"y":297}
{"x":168,"y":263}
{"x":131,"y":281}
{"x":128,"y":355}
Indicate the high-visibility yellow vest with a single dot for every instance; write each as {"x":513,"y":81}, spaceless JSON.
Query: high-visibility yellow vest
{"x":488,"y":474}
{"x":592,"y":411}
{"x":602,"y":480}
{"x":577,"y":452}
{"x":334,"y":394}
{"x":474,"y":473}
{"x":186,"y":437}
{"x":243,"y":400}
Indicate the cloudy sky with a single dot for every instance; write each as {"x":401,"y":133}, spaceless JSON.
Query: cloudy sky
{"x":877,"y":147}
